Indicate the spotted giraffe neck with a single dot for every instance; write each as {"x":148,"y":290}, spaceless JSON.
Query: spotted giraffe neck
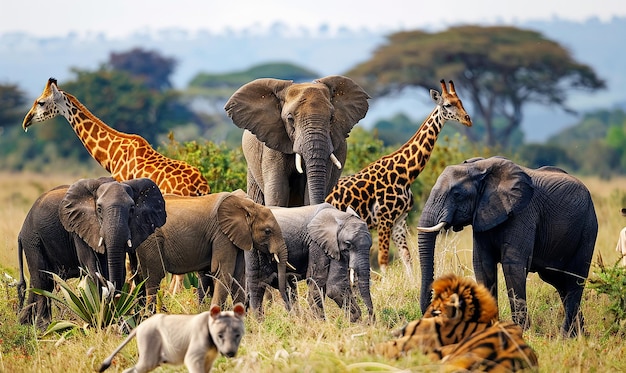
{"x":105,"y":144}
{"x":420,"y":145}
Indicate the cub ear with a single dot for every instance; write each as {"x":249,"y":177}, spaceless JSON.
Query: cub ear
{"x":239,"y":310}
{"x":215,"y":310}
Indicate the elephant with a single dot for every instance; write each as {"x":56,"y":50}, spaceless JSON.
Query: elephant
{"x":323,"y":244}
{"x":529,"y":220}
{"x":91,"y":224}
{"x":288,"y":123}
{"x":209,"y":234}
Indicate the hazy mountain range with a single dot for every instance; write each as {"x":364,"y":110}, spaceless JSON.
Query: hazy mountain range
{"x":29,"y":61}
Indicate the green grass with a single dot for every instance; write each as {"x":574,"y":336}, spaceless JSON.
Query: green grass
{"x":298,"y":342}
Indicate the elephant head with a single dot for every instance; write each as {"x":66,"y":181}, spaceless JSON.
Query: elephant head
{"x":345,"y":232}
{"x":112,"y":218}
{"x":304,"y":122}
{"x":480,"y":192}
{"x":252,"y":226}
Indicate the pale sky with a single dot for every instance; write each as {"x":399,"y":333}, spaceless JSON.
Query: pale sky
{"x":118,"y":18}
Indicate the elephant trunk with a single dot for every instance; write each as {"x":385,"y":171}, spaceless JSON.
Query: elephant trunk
{"x":282,"y":275}
{"x":317,"y":148}
{"x":363,"y":274}
{"x":426,"y":243}
{"x":116,"y":237}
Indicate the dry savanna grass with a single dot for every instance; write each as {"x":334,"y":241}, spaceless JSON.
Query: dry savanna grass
{"x":298,"y":342}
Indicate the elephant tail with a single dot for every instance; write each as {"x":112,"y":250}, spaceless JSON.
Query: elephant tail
{"x":21,"y":285}
{"x":107,"y":362}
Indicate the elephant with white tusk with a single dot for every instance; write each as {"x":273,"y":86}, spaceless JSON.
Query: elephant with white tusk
{"x":295,"y":135}
{"x":324,"y":244}
{"x":92,"y":224}
{"x":528,"y":220}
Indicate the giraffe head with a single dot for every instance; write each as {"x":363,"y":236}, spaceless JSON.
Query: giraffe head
{"x":450,"y":105}
{"x":47,"y":106}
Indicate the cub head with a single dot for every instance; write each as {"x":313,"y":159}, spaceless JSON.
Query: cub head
{"x":227,"y":328}
{"x":462,"y":299}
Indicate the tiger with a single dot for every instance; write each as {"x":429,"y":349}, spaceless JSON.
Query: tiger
{"x":460,"y":328}
{"x":499,"y":348}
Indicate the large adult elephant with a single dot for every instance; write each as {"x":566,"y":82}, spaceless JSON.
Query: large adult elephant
{"x":528,"y":220}
{"x":209,"y":234}
{"x":91,"y":224}
{"x":324,"y":243}
{"x":289,"y":123}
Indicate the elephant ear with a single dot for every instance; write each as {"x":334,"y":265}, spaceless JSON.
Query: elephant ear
{"x":507,"y":189}
{"x":149,"y":209}
{"x":235,"y":215}
{"x":323,"y":230}
{"x":349,"y":101}
{"x":257,"y":107}
{"x":77,"y":211}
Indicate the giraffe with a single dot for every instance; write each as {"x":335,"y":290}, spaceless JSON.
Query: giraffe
{"x":381,"y":192}
{"x":125,"y":156}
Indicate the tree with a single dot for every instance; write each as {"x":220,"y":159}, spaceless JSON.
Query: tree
{"x":501,"y":69}
{"x":154,"y":69}
{"x":11,"y":100}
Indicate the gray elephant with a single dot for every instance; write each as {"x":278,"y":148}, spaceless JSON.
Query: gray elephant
{"x":209,"y":234}
{"x":323,"y":243}
{"x":287,"y":123}
{"x":91,"y":224}
{"x":528,"y":220}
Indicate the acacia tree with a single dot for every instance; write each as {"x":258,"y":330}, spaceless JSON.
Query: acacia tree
{"x":500,"y":68}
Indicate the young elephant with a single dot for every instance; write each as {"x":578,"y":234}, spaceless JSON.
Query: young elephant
{"x":209,"y":234}
{"x":323,"y":243}
{"x":194,"y":340}
{"x":92,"y":224}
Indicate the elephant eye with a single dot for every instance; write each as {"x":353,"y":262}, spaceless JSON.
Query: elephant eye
{"x":268,"y":231}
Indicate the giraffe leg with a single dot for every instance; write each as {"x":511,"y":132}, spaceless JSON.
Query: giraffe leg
{"x":384,"y":234}
{"x":398,"y":235}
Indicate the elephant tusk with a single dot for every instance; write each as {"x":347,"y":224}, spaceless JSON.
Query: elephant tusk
{"x":100,"y":241}
{"x":436,"y":228}
{"x":291,"y":267}
{"x":299,"y":163}
{"x":276,"y":258}
{"x":129,"y":243}
{"x":352,"y":276}
{"x":335,"y":160}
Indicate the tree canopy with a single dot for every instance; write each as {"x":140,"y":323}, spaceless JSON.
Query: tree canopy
{"x":499,"y":68}
{"x":150,"y":66}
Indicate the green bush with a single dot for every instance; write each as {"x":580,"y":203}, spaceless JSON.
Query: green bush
{"x":611,"y":280}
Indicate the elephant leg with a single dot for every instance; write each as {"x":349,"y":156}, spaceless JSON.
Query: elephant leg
{"x":205,"y":285}
{"x":238,"y":289}
{"x":384,"y":236}
{"x":255,"y":289}
{"x":515,"y":277}
{"x":485,"y":265}
{"x":570,"y":292}
{"x":398,"y":235}
{"x":316,"y":298}
{"x":223,"y":264}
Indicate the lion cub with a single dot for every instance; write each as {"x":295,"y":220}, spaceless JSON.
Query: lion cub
{"x":190,"y":339}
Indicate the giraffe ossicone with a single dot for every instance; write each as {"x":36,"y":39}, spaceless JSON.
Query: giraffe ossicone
{"x":381,"y":192}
